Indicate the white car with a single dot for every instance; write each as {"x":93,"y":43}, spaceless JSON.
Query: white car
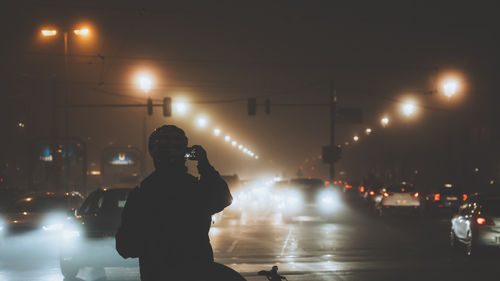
{"x":398,"y":198}
{"x":477,"y":224}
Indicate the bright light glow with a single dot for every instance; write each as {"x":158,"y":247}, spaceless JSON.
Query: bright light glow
{"x":450,"y":87}
{"x":95,"y":173}
{"x":257,"y":157}
{"x":355,"y":138}
{"x":384,"y":121}
{"x":53,"y":227}
{"x":181,"y":107}
{"x":202,"y":122}
{"x":329,"y":200}
{"x":234,"y":143}
{"x":144,"y":81}
{"x":82,"y":32}
{"x":245,"y":149}
{"x":480,"y":220}
{"x":368,"y":131}
{"x":240,"y":147}
{"x":49,"y":32}
{"x":20,"y":125}
{"x":217,"y":132}
{"x":409,"y":108}
{"x":227,"y":138}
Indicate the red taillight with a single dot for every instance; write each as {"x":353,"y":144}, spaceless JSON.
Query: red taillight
{"x":340,"y":181}
{"x":402,"y":190}
{"x":415,"y":194}
{"x":361,"y":189}
{"x":327,"y":182}
{"x":437,"y":197}
{"x":348,"y":186}
{"x":484,"y":221}
{"x":386,"y":194}
{"x":464,"y":197}
{"x":372,"y":192}
{"x":335,"y":182}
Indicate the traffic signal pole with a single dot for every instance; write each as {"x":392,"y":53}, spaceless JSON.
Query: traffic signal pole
{"x":333,"y":108}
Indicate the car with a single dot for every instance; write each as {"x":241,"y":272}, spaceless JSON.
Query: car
{"x":476,"y":224}
{"x":305,"y":199}
{"x":398,"y":198}
{"x":93,"y":242}
{"x":40,"y":212}
{"x":445,"y":199}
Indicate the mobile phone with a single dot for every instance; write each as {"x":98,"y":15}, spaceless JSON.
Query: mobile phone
{"x":191,"y":154}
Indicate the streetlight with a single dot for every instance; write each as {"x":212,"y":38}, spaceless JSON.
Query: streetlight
{"x":450,"y":87}
{"x":217,"y":132}
{"x":408,"y":108}
{"x":144,"y":81}
{"x":51,"y":32}
{"x":227,"y":138}
{"x":234,"y":143}
{"x":181,"y":107}
{"x":368,"y":131}
{"x":355,"y":138}
{"x":384,"y":121}
{"x":201,"y":122}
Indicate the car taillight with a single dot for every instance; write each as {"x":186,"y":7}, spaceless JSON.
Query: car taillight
{"x":464,"y":197}
{"x":361,"y":189}
{"x":484,"y":221}
{"x":437,"y":197}
{"x":415,"y":194}
{"x":372,"y":192}
{"x":386,"y":194}
{"x":348,"y":186}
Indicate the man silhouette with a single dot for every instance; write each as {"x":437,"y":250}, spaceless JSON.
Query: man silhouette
{"x":166,"y":220}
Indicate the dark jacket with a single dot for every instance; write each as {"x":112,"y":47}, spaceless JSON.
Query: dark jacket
{"x":166,"y":220}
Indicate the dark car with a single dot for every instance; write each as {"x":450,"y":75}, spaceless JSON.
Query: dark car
{"x":94,"y":246}
{"x":300,"y":199}
{"x":476,"y":223}
{"x":445,"y":199}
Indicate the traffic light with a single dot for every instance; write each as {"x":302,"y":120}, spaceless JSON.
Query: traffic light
{"x":150,"y":106}
{"x":167,"y":107}
{"x":268,"y":106}
{"x":252,"y":106}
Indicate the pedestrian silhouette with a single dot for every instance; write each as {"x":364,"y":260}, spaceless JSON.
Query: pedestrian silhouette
{"x":166,"y":219}
{"x":272,"y":275}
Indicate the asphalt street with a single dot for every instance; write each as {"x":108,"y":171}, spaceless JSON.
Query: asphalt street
{"x":354,"y":245}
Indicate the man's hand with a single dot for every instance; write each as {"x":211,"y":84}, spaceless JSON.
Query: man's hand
{"x":202,"y":155}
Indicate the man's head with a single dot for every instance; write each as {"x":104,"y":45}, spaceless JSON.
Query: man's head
{"x":167,"y":146}
{"x":275,"y":268}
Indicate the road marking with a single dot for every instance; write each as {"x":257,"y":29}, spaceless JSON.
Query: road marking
{"x":286,"y":242}
{"x":233,"y":245}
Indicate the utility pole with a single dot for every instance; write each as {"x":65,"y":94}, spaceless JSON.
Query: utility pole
{"x":333,"y":108}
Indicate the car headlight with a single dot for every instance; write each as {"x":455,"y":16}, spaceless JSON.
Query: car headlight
{"x":55,"y":222}
{"x":329,"y":200}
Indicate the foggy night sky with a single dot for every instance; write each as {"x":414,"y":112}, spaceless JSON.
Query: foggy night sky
{"x":223,"y":50}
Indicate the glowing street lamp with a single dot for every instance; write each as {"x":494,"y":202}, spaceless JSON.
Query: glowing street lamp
{"x":82,"y":31}
{"x":408,"y":108}
{"x":450,"y":87}
{"x":49,"y":32}
{"x":368,"y":131}
{"x":144,"y":81}
{"x":234,"y":143}
{"x":202,"y":122}
{"x":356,"y":138}
{"x":181,"y":107}
{"x":384,"y":121}
{"x":227,"y":138}
{"x":217,"y":132}
{"x":257,"y":157}
{"x":240,"y":147}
